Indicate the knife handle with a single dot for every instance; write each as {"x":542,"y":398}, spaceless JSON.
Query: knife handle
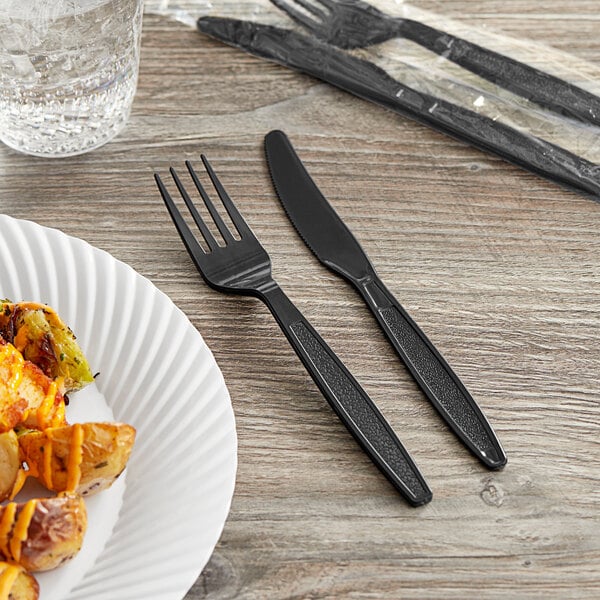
{"x":438,"y":381}
{"x":349,"y":401}
{"x":521,"y":79}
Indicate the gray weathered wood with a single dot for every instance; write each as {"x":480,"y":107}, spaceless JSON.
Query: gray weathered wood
{"x":499,"y":267}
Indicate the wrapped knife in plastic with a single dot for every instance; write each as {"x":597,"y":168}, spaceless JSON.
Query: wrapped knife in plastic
{"x":532,"y":105}
{"x":369,"y":81}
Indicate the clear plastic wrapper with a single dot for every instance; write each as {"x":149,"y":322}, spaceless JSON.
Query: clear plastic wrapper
{"x":553,"y":141}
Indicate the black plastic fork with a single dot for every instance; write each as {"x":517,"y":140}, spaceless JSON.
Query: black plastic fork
{"x":242,"y":266}
{"x":352,"y":24}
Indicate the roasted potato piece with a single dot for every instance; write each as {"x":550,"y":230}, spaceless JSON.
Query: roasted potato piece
{"x":10,"y":463}
{"x":17,"y":584}
{"x":26,"y":394}
{"x":42,"y":534}
{"x":91,"y":458}
{"x":38,"y":332}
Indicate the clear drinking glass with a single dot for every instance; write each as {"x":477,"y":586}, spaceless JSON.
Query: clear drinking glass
{"x":68,"y":72}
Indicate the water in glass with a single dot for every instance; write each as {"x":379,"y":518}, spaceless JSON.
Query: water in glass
{"x":68,"y":72}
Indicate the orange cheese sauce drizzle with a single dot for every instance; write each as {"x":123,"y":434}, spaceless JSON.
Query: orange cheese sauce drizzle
{"x":6,"y":523}
{"x":45,"y":409}
{"x":59,"y":419}
{"x":75,"y":458}
{"x":21,"y":528}
{"x":47,"y":466}
{"x":7,"y":580}
{"x":18,"y":486}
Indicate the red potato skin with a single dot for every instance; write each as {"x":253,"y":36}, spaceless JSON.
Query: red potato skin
{"x":55,"y":533}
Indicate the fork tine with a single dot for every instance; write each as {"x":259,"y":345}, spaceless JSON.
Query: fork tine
{"x":297,"y":15}
{"x":204,"y":230}
{"x":232,"y":211}
{"x":189,"y":239}
{"x":223,"y":229}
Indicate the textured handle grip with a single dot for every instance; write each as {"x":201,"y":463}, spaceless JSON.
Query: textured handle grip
{"x":435,"y":377}
{"x":349,"y":401}
{"x":526,"y":81}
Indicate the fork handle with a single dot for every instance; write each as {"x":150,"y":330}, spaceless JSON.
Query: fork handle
{"x":528,"y":82}
{"x":349,"y":401}
{"x":434,"y":375}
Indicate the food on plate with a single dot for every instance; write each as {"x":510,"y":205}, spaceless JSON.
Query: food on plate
{"x":40,"y":362}
{"x":84,"y":457}
{"x":17,"y":584}
{"x":10,"y":463}
{"x":42,"y":533}
{"x":42,"y":338}
{"x":27,"y":395}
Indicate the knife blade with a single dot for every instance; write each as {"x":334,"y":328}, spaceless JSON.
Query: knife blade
{"x":335,"y":246}
{"x":368,"y":81}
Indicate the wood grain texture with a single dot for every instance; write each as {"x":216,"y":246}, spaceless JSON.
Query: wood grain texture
{"x":499,"y":267}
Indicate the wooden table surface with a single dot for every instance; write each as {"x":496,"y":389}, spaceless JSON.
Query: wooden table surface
{"x":499,"y":267}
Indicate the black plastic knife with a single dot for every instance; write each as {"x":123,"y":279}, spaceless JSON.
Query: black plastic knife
{"x":369,"y":81}
{"x":334,"y":245}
